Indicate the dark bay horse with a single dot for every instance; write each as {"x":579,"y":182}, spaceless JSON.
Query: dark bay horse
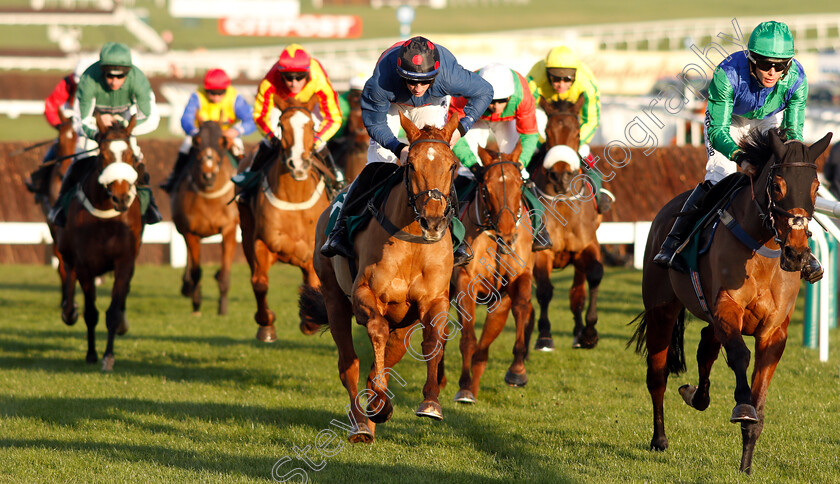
{"x":744,"y":290}
{"x":278,"y":223}
{"x":356,"y":140}
{"x":572,"y":219}
{"x":403,"y":276}
{"x":500,"y":274}
{"x":103,"y":233}
{"x":200,"y":209}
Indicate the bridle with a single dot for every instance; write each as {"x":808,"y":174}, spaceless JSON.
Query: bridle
{"x":485,"y":220}
{"x":434,"y":194}
{"x":796,"y":222}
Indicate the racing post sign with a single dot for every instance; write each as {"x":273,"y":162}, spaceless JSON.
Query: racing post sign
{"x":317,"y":26}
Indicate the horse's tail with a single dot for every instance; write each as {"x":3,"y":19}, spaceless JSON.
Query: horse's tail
{"x":676,"y":352}
{"x":312,"y":310}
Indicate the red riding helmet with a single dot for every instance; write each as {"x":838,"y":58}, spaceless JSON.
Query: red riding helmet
{"x":294,"y":59}
{"x":216,"y":80}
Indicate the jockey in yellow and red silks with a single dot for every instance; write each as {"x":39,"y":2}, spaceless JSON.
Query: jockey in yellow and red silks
{"x":296,"y":75}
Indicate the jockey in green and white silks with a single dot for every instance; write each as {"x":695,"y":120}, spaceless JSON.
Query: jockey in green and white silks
{"x":760,"y":88}
{"x":114,"y":87}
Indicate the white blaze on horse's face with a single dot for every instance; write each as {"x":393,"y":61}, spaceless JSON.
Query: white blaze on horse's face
{"x":118,"y":148}
{"x":298,"y":121}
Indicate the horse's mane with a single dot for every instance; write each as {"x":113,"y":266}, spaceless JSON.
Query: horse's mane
{"x":756,"y":145}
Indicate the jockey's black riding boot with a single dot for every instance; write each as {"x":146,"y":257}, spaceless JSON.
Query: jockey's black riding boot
{"x":460,"y":257}
{"x":542,"y":241}
{"x":681,"y":228}
{"x":71,"y":178}
{"x":180,"y":164}
{"x":152,"y":215}
{"x":813,"y":271}
{"x":604,"y":202}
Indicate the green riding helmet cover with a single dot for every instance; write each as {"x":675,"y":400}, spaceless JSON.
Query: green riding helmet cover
{"x":115,"y":54}
{"x":772,"y":39}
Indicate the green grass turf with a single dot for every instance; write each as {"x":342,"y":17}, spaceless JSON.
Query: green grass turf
{"x":198,"y":399}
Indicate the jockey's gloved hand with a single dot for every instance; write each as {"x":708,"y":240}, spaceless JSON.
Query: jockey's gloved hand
{"x":274,"y":141}
{"x":740,"y":158}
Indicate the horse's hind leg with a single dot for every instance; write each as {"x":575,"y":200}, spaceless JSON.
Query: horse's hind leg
{"x":545,"y":291}
{"x":223,"y":275}
{"x":191,"y":287}
{"x":588,"y":265}
{"x":707,"y":353}
{"x":660,"y":321}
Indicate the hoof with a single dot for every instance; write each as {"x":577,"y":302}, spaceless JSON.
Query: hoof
{"x":744,"y":413}
{"x":544,"y":343}
{"x":576,"y":343}
{"x":516,"y":380}
{"x":360,"y":435}
{"x":464,"y":396}
{"x":382,"y":415}
{"x":267,"y":334}
{"x":70,"y":319}
{"x":196,"y":313}
{"x":431,"y":410}
{"x":108,"y":363}
{"x":122,"y":328}
{"x":587,"y":339}
{"x":687,"y":393}
{"x":187,"y":289}
{"x":659,"y":445}
{"x":91,"y":358}
{"x":308,"y":328}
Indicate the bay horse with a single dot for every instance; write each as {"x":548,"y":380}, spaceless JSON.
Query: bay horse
{"x":103,"y":233}
{"x":278,"y":223}
{"x":201,"y":208}
{"x":743,"y":289}
{"x":403,"y":276}
{"x":572,"y":220}
{"x":498,"y":229}
{"x":353,"y":156}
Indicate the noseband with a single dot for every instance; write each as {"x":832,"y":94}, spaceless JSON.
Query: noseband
{"x":434,"y":194}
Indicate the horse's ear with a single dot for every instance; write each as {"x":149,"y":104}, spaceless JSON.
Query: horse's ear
{"x":816,"y":149}
{"x":485,"y":156}
{"x":450,"y":127}
{"x":131,"y":124}
{"x":410,"y":128}
{"x":517,"y":151}
{"x":310,"y":105}
{"x":578,"y":105}
{"x":100,"y":125}
{"x":282,"y":104}
{"x":776,"y":144}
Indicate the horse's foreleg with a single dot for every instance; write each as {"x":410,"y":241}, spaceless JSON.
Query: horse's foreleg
{"x":191,"y":287}
{"x":310,"y":277}
{"x":69,"y":308}
{"x":545,"y":291}
{"x":465,"y":306}
{"x":493,"y":326}
{"x":223,"y":275}
{"x":729,"y":321}
{"x":91,"y":316}
{"x":520,"y":294}
{"x":434,"y":319}
{"x":115,"y":315}
{"x":378,"y":332}
{"x":377,"y":383}
{"x":707,"y":353}
{"x":259,"y":283}
{"x":768,"y":351}
{"x":589,"y":264}
{"x":660,"y":326}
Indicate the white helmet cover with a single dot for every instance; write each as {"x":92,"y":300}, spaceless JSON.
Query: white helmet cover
{"x":562,"y":153}
{"x":500,"y":77}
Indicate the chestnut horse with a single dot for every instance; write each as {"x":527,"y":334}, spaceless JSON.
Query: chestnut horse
{"x":572,"y":219}
{"x":278,"y":223}
{"x":353,"y":156}
{"x":404,"y":260}
{"x":201,"y":208}
{"x":103,"y":233}
{"x":743,"y":290}
{"x":500,"y":275}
